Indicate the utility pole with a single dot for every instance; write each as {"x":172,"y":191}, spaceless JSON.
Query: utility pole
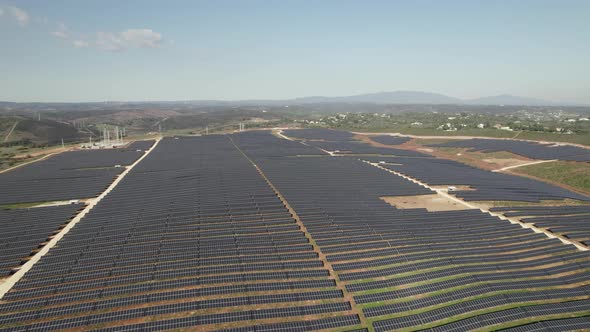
{"x":207,"y":130}
{"x":159,"y":127}
{"x":62,"y":143}
{"x":39,"y":116}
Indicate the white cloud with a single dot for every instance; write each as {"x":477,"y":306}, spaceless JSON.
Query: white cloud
{"x":80,"y":44}
{"x":142,"y":37}
{"x":61,"y":31}
{"x":106,"y":41}
{"x":119,"y":41}
{"x":21,"y":16}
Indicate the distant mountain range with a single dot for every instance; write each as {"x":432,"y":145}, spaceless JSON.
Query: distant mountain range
{"x":419,"y":97}
{"x":392,"y":97}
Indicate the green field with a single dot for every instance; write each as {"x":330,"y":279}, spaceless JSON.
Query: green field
{"x":554,"y":137}
{"x":574,"y":174}
{"x":494,"y":133}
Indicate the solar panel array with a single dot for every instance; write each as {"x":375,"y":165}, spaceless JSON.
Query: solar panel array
{"x":192,"y":236}
{"x":261,"y":143}
{"x":68,"y":175}
{"x":195,"y":238}
{"x":140,"y":145}
{"x":563,"y":324}
{"x":319,"y":134}
{"x":490,"y":186}
{"x":23,"y":230}
{"x":390,"y":140}
{"x":531,"y":150}
{"x":343,"y":142}
{"x":570,"y":221}
{"x":522,"y":313}
{"x":415,"y":269}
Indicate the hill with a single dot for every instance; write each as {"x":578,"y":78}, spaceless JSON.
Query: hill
{"x":21,"y":130}
{"x":392,"y":97}
{"x":509,"y":100}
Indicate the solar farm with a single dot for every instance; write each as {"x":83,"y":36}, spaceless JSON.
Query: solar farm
{"x":528,"y":149}
{"x":287,"y":231}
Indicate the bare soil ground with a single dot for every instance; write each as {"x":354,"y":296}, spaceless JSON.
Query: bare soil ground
{"x":488,"y":161}
{"x":431,"y":203}
{"x":505,"y":162}
{"x":458,"y":187}
{"x":490,"y":204}
{"x":367,"y":139}
{"x":43,"y":152}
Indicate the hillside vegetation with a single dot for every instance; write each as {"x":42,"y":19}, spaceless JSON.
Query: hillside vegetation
{"x":573,"y":174}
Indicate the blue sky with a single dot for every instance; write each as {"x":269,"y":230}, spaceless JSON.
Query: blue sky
{"x":177,"y":50}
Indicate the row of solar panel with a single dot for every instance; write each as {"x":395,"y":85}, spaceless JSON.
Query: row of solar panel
{"x":425,"y":252}
{"x":369,"y":242}
{"x":424,"y":271}
{"x":160,"y":293}
{"x":190,"y":321}
{"x":522,"y":313}
{"x":175,"y":269}
{"x":170,"y":226}
{"x":531,"y":150}
{"x":68,"y":281}
{"x":338,"y":200}
{"x":21,"y":292}
{"x":76,"y":263}
{"x":563,"y":324}
{"x":25,"y":229}
{"x":300,"y":326}
{"x":23,"y":317}
{"x":570,"y":221}
{"x":187,"y":259}
{"x":390,"y":140}
{"x":494,"y":285}
{"x":488,"y":185}
{"x":343,"y":142}
{"x":474,"y":300}
{"x":273,"y":147}
{"x":164,"y":254}
{"x":500,"y":261}
{"x":68,"y":175}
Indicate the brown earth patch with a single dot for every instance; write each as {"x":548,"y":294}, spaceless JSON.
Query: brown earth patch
{"x":501,"y":162}
{"x":457,"y":187}
{"x":431,"y":203}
